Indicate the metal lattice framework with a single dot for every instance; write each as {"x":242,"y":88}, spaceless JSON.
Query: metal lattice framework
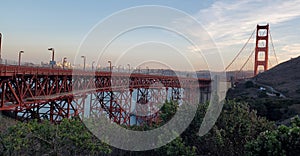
{"x":53,"y":94}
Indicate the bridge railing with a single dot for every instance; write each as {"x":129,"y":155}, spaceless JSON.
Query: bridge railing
{"x":163,"y":72}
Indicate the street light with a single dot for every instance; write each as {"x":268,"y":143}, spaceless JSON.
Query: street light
{"x":112,"y":68}
{"x":20,"y":52}
{"x":109,"y":65}
{"x":64,"y":62}
{"x":93,"y":65}
{"x":52,"y":61}
{"x":147,"y":69}
{"x":0,"y":45}
{"x":128,"y":67}
{"x":84,"y":59}
{"x":139,"y":69}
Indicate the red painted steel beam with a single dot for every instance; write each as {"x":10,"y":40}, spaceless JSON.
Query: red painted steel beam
{"x":28,"y":89}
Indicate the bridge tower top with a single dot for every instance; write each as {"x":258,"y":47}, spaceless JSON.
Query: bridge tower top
{"x":261,"y":48}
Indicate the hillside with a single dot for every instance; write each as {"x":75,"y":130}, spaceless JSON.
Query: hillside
{"x":275,"y":93}
{"x":285,"y":78}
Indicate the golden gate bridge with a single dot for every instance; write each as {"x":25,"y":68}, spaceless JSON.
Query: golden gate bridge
{"x":56,"y":93}
{"x":261,"y":60}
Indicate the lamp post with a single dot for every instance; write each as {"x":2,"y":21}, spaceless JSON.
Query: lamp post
{"x":52,"y":50}
{"x":109,"y":65}
{"x":128,"y":67}
{"x":93,"y":65}
{"x":147,"y":69}
{"x":20,"y":53}
{"x":112,"y":68}
{"x":0,"y":45}
{"x":64,"y":62}
{"x":84,"y":59}
{"x":139,"y":69}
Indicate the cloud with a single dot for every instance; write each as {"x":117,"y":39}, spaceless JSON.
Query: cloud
{"x":230,"y":23}
{"x":292,"y":49}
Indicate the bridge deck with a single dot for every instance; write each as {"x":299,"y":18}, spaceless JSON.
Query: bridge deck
{"x":26,"y":90}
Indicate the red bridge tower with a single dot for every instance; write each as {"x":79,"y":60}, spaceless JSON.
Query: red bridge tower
{"x":261,"y":48}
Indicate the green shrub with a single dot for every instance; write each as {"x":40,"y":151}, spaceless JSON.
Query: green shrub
{"x":236,"y":124}
{"x":282,"y":141}
{"x":70,"y":137}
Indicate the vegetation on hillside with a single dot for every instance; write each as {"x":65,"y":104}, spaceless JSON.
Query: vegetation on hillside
{"x":273,"y":107}
{"x":238,"y":131}
{"x":285,"y":140}
{"x":38,"y":138}
{"x":236,"y":125}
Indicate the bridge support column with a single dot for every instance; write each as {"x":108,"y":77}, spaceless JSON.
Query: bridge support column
{"x":141,"y":109}
{"x":97,"y":105}
{"x":117,"y":106}
{"x":176,"y":94}
{"x":123,"y":100}
{"x":51,"y":105}
{"x":261,"y":47}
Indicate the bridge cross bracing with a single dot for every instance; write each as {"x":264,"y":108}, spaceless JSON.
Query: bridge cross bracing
{"x":44,"y":93}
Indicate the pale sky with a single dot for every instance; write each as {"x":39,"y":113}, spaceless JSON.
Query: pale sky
{"x":33,"y":26}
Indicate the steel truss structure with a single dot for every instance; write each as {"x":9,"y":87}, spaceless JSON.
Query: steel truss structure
{"x":53,"y":94}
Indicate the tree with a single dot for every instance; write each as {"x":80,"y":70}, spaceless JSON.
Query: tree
{"x":176,"y":147}
{"x":235,"y":126}
{"x":236,"y":130}
{"x":282,"y":141}
{"x":70,"y":137}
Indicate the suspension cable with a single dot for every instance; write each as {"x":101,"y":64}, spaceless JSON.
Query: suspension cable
{"x":247,"y":60}
{"x":270,"y":64}
{"x":240,"y":51}
{"x":273,"y":47}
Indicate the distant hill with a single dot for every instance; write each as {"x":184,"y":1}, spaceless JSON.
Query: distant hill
{"x":285,"y":78}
